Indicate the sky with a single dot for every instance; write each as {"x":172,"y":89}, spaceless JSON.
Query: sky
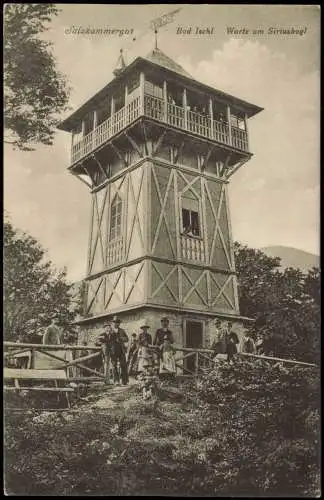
{"x":274,"y":198}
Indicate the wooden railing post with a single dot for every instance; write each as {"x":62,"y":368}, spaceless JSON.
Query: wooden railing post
{"x":211,"y":116}
{"x":184,"y":104}
{"x":106,"y":365}
{"x":228,"y":109}
{"x":165,"y":101}
{"x":197,"y":364}
{"x":82,"y":149}
{"x":142,"y":85}
{"x":246,"y":132}
{"x":32,"y":359}
{"x":94,"y":135}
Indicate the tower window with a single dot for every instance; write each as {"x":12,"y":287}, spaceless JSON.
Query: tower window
{"x":190,"y":217}
{"x":115,"y":218}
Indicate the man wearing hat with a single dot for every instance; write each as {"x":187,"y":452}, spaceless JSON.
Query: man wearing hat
{"x":53,"y":334}
{"x":162,"y":332}
{"x":219,"y":342}
{"x":231,"y":342}
{"x":159,"y":338}
{"x":118,"y":350}
{"x":145,"y":338}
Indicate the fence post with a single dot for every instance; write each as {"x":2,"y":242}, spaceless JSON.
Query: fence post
{"x":197,"y":362}
{"x":106,"y":365}
{"x":32,"y":359}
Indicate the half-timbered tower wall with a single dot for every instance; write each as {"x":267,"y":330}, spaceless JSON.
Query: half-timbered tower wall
{"x":139,"y":250}
{"x":188,"y":271}
{"x":157,"y":150}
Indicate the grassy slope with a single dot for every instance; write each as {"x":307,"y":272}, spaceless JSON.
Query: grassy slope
{"x":229,"y":441}
{"x":89,"y":451}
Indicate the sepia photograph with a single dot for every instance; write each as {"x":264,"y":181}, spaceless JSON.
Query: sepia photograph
{"x":161,"y":286}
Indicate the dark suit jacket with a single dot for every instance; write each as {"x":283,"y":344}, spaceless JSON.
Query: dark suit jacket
{"x":160,"y":334}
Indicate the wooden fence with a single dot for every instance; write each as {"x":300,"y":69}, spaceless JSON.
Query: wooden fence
{"x":74,"y":365}
{"x":192,"y":362}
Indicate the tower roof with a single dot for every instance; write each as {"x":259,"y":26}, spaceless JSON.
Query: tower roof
{"x":158,"y":57}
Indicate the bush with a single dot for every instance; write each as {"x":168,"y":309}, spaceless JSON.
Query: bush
{"x":247,"y":429}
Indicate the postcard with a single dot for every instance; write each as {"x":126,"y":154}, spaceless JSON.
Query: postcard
{"x":161,"y":250}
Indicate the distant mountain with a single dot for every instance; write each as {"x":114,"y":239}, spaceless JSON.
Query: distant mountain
{"x":292,"y":257}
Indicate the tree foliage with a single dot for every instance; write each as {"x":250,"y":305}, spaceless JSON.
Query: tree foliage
{"x":36,"y":93}
{"x":284,"y":303}
{"x":34,"y":292}
{"x":270,"y":419}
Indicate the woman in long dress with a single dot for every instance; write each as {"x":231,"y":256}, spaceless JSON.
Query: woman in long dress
{"x":168,"y":365}
{"x":145,"y":351}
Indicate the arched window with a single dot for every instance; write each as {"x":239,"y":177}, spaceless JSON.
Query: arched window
{"x":190,"y":215}
{"x":115,"y":218}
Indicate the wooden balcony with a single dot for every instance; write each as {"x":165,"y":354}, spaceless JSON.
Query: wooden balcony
{"x":192,"y":248}
{"x":158,"y":109}
{"x":115,"y":251}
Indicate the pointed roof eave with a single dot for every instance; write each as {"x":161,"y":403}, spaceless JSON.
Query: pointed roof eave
{"x":121,"y":65}
{"x":158,"y":57}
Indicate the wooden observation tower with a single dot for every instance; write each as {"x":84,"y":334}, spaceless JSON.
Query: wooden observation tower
{"x":157,"y":149}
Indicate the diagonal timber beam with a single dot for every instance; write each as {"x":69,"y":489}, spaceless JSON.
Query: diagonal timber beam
{"x":164,"y":281}
{"x":159,"y":143}
{"x":178,"y":153}
{"x":118,"y":153}
{"x":100,"y":166}
{"x":225,"y":166}
{"x":145,"y":138}
{"x":134,"y":144}
{"x":83,"y":180}
{"x":193,"y":286}
{"x":135,"y":217}
{"x":206,"y":159}
{"x":239,"y":165}
{"x":89,"y":175}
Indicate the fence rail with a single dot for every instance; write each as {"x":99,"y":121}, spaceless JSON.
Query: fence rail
{"x":40,"y":354}
{"x":191,"y":362}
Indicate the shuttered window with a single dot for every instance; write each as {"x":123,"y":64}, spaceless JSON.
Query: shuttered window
{"x":115,"y":218}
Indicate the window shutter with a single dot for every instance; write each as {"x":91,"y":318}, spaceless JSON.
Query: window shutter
{"x":190,"y":204}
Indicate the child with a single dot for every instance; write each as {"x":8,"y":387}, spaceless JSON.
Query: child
{"x":168,"y":366}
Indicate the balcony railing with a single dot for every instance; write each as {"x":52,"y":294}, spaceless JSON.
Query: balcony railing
{"x":158,"y":109}
{"x":115,"y":251}
{"x":105,"y":130}
{"x":192,"y":248}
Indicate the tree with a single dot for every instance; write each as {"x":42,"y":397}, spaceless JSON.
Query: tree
{"x":269,"y":418}
{"x":34,"y":292}
{"x":36,"y":92}
{"x":284,"y":303}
